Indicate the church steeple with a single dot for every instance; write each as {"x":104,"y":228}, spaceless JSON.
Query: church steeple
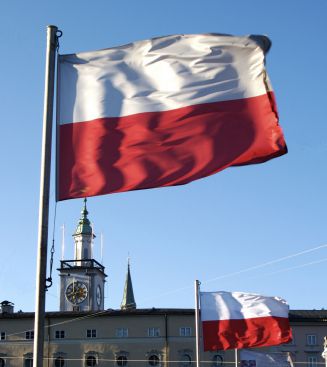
{"x":83,"y":237}
{"x":82,"y":279}
{"x":84,"y":225}
{"x":128,"y":301}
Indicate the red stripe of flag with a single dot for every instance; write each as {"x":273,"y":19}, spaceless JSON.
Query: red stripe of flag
{"x":245,"y":333}
{"x":156,"y":149}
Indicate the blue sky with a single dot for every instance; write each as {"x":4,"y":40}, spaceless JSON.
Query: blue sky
{"x":210,"y":229}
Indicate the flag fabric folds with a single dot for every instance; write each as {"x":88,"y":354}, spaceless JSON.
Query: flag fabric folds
{"x":162,"y":112}
{"x":257,"y":359}
{"x":235,"y":320}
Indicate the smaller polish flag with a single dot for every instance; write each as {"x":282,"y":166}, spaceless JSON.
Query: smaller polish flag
{"x":235,"y":320}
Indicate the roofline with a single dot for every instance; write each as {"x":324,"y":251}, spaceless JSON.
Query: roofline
{"x":294,"y":315}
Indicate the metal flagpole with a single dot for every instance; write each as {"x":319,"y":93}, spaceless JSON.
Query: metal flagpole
{"x":236,"y":358}
{"x":197,"y":328}
{"x":41,"y":267}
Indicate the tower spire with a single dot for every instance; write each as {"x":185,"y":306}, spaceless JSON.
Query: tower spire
{"x":84,"y":224}
{"x":128,"y":302}
{"x":83,"y":237}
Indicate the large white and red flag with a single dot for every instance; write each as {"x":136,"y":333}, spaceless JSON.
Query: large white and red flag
{"x":162,"y":112}
{"x":235,"y":320}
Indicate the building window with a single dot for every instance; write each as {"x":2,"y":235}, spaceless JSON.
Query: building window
{"x":91,"y":361}
{"x":60,"y":334}
{"x":2,"y":336}
{"x":2,"y":362}
{"x":186,"y":360}
{"x":91,"y":333}
{"x":153,"y":331}
{"x":185,"y":331}
{"x":29,"y":334}
{"x":59,"y":362}
{"x":122,"y":332}
{"x":312,"y":361}
{"x":28,"y":362}
{"x":121,"y":361}
{"x":154,"y":360}
{"x":217,"y":360}
{"x":311,"y":339}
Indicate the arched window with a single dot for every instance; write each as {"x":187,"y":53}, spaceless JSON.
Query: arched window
{"x":154,"y":360}
{"x":186,"y":360}
{"x":217,"y":360}
{"x":91,"y":361}
{"x":121,"y":361}
{"x":59,"y":362}
{"x":2,"y":362}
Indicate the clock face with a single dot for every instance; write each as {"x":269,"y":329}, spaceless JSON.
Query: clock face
{"x":98,"y":295}
{"x":76,"y":292}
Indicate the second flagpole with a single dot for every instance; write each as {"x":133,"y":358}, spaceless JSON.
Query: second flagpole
{"x":197,"y":327}
{"x":236,"y":358}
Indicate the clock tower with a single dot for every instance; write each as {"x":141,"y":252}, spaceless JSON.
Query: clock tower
{"x":82,"y":279}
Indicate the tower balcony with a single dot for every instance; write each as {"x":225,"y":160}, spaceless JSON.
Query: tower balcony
{"x":90,"y":264}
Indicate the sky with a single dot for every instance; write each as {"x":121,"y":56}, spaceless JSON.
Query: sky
{"x":259,"y":228}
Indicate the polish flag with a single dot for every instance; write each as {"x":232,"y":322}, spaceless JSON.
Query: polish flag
{"x":163,"y":112}
{"x":242,"y":320}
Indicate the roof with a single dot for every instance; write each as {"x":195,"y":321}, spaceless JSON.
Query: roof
{"x":294,"y":315}
{"x":108,"y":312}
{"x":128,"y":301}
{"x":308,"y":315}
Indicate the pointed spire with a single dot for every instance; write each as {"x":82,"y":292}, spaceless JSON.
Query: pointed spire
{"x":128,"y":302}
{"x":84,"y":225}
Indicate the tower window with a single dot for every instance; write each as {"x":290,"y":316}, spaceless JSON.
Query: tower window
{"x":60,"y":334}
{"x":153,"y":331}
{"x":29,"y":334}
{"x":2,"y":362}
{"x":91,"y":361}
{"x":2,"y":336}
{"x":185,"y":331}
{"x":91,"y":333}
{"x":59,"y":362}
{"x":122,"y":332}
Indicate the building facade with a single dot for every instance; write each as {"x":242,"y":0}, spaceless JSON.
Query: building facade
{"x":138,"y":337}
{"x":83,"y":334}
